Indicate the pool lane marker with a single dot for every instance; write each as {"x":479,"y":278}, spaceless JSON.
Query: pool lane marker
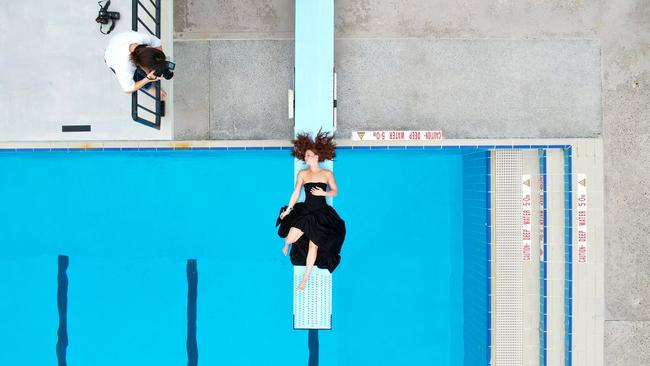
{"x":192,"y":281}
{"x":62,"y":306}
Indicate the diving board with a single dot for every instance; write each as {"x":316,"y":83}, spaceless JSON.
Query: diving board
{"x":312,"y":308}
{"x":314,"y":110}
{"x":314,"y":66}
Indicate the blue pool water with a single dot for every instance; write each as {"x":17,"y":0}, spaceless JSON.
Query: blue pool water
{"x":411,"y":288}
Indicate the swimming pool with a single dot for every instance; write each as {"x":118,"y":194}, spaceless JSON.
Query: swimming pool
{"x":412,"y":287}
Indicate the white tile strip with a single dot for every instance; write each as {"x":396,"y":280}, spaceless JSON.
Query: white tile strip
{"x":508,"y":264}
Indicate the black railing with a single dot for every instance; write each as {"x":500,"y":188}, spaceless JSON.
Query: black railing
{"x":153,"y":109}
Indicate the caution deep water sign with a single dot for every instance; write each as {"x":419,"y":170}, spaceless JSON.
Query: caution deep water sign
{"x":392,"y":135}
{"x":581,"y":206}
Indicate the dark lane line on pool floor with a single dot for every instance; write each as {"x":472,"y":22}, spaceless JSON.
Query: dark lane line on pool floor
{"x":62,"y":306}
{"x":192,"y":281}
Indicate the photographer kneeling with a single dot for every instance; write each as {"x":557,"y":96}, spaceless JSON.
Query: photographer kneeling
{"x":137,"y":60}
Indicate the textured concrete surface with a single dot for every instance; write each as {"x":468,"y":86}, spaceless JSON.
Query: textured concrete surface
{"x":192,"y":91}
{"x":467,"y":89}
{"x":394,"y":71}
{"x":234,"y":90}
{"x":467,"y":18}
{"x":626,"y":88}
{"x":234,"y":19}
{"x":248,"y":89}
{"x":272,"y":19}
{"x":470,"y":89}
{"x":627,"y":343}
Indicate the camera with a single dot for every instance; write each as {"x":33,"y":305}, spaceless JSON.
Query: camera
{"x":166,"y":71}
{"x":105,"y":16}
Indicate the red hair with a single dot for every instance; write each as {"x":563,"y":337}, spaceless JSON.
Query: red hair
{"x":323,"y":146}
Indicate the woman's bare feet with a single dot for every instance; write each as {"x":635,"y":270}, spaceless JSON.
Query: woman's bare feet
{"x":303,"y":283}
{"x":285,"y":250}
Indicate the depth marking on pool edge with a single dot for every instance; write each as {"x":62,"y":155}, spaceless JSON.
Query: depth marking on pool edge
{"x":312,"y":344}
{"x":62,"y":306}
{"x":192,"y":280}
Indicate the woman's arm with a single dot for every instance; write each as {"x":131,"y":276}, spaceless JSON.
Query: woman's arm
{"x":334,"y":190}
{"x":151,"y":40}
{"x":139,"y":84}
{"x":296,"y":192}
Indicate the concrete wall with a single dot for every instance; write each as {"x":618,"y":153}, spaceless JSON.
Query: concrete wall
{"x":470,"y":88}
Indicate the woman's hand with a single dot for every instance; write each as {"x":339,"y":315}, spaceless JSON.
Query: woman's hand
{"x":152,"y":76}
{"x":317,"y":191}
{"x":284,"y":214}
{"x":163,"y":94}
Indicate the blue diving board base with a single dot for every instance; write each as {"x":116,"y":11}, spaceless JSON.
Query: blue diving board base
{"x":312,"y":307}
{"x":314,"y":68}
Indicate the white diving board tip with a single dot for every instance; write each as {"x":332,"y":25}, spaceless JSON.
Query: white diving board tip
{"x":312,"y":307}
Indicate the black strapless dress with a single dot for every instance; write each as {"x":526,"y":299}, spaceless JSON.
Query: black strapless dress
{"x":320,"y":223}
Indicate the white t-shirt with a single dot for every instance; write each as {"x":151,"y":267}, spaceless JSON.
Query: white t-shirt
{"x":117,"y":55}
